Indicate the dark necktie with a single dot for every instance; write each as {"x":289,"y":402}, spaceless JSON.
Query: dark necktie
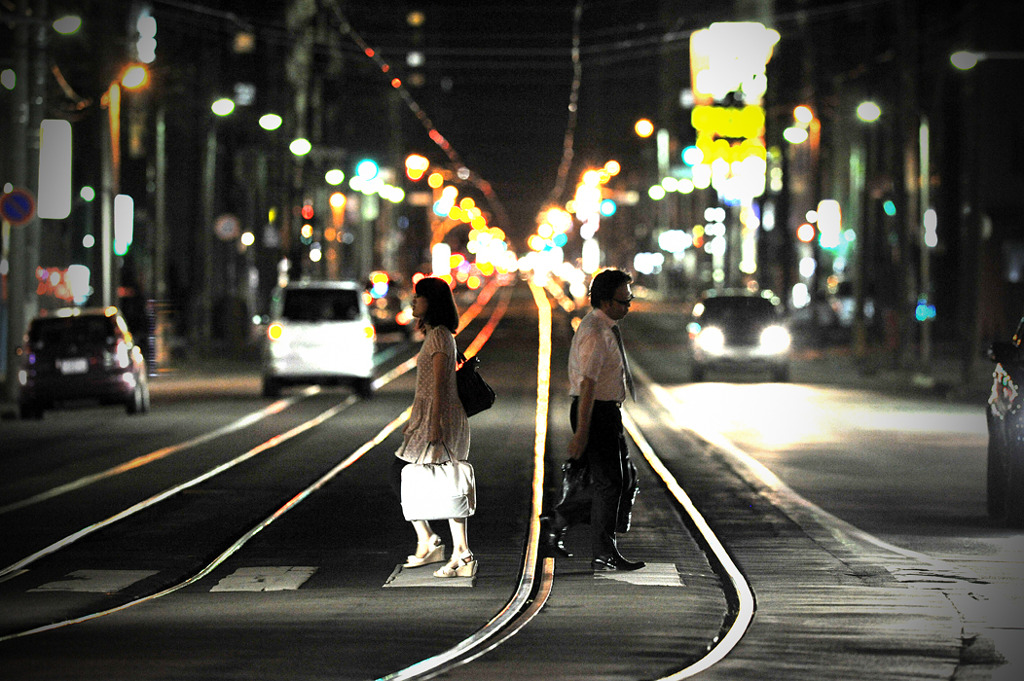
{"x":625,"y":362}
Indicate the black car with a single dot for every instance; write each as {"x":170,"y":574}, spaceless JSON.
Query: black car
{"x":739,"y":329}
{"x":74,"y":355}
{"x":1005,"y":417}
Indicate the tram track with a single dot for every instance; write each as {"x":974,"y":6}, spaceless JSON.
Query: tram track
{"x":537,"y":573}
{"x":65,"y":543}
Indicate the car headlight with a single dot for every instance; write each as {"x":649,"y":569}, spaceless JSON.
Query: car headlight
{"x":775,"y":339}
{"x":711,"y":339}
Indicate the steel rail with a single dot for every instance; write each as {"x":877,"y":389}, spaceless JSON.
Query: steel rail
{"x":742,"y":601}
{"x":531,"y":594}
{"x":248,"y":420}
{"x":496,"y":316}
{"x":19,"y":566}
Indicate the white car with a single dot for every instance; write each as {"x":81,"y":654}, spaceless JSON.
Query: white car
{"x":737,"y":329}
{"x":319,"y":332}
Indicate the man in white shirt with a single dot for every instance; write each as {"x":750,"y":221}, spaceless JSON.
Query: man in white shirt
{"x":599,"y":381}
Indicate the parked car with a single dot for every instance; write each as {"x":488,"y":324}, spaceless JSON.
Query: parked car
{"x":77,"y":355}
{"x":319,"y":332}
{"x":1005,"y":417}
{"x":739,"y":329}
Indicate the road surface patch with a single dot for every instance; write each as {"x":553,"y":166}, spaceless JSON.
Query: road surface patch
{"x":423,"y":577}
{"x":281,"y":578}
{"x":97,"y":581}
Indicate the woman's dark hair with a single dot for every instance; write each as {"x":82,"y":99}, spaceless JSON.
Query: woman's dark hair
{"x":441,"y":309}
{"x":605,"y":284}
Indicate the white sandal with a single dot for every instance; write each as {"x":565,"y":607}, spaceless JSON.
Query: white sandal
{"x":459,"y":566}
{"x":435,"y":554}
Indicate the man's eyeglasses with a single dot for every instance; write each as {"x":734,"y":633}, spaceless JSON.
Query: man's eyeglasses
{"x":625,"y":302}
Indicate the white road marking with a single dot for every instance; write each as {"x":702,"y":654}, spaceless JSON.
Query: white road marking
{"x":282,"y":578}
{"x":653,"y":574}
{"x":97,"y":581}
{"x":424,"y":577}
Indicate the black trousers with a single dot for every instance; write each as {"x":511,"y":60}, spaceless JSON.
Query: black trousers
{"x":607,"y":500}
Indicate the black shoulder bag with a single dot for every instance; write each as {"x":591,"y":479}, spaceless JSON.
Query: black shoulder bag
{"x":474,"y":393}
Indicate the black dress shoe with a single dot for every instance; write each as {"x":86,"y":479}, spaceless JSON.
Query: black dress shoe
{"x":551,"y":539}
{"x":609,"y":562}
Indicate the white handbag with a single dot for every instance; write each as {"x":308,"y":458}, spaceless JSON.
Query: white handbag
{"x":435,"y":491}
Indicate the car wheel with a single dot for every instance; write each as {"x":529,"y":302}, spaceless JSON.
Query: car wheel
{"x":271,"y":387}
{"x":137,"y":403}
{"x":30,"y":411}
{"x":364,"y":387}
{"x":1014,"y":466}
{"x":997,"y":469}
{"x":146,"y":402}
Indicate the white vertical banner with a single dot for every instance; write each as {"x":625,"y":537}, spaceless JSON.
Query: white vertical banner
{"x":54,"y":200}
{"x":124,"y":223}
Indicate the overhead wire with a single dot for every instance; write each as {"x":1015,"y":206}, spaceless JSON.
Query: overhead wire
{"x":568,"y":140}
{"x":463,"y":172}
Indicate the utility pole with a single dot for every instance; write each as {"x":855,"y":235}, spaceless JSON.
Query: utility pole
{"x":24,"y":242}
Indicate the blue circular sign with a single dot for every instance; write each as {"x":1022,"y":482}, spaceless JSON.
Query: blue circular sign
{"x":17,"y":206}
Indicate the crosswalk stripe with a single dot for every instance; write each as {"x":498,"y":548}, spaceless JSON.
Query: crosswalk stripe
{"x":97,"y":581}
{"x":280,"y":578}
{"x":653,"y":574}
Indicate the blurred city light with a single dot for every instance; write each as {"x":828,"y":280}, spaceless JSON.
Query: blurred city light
{"x":145,"y":46}
{"x":334,"y":177}
{"x":87,"y":193}
{"x":416,"y":166}
{"x":644,"y":128}
{"x":222,"y":106}
{"x":795,"y":135}
{"x":367,"y":169}
{"x":67,"y":24}
{"x":136,"y":76}
{"x":692,"y":156}
{"x":8,"y":78}
{"x":300,"y":146}
{"x":270,"y":121}
{"x":965,"y":59}
{"x":931,"y":236}
{"x":869,"y":112}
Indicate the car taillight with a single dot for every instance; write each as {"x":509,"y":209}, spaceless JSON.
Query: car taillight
{"x":275,"y":331}
{"x":370,"y":332}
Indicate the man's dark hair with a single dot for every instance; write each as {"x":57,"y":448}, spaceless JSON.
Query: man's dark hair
{"x":605,"y":283}
{"x":441,"y":308}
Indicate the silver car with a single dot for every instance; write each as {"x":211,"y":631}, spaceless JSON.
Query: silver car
{"x":319,"y":332}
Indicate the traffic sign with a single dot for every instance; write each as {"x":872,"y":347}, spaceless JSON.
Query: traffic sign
{"x":18,"y":206}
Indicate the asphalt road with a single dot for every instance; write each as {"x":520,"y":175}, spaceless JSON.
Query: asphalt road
{"x":864,"y":542}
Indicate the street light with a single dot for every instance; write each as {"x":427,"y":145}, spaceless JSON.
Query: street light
{"x":968,"y":59}
{"x":132,"y":77}
{"x":867,"y":112}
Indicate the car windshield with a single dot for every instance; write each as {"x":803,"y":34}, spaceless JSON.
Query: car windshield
{"x":728,"y":311}
{"x":59,"y":331}
{"x":320,"y":305}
